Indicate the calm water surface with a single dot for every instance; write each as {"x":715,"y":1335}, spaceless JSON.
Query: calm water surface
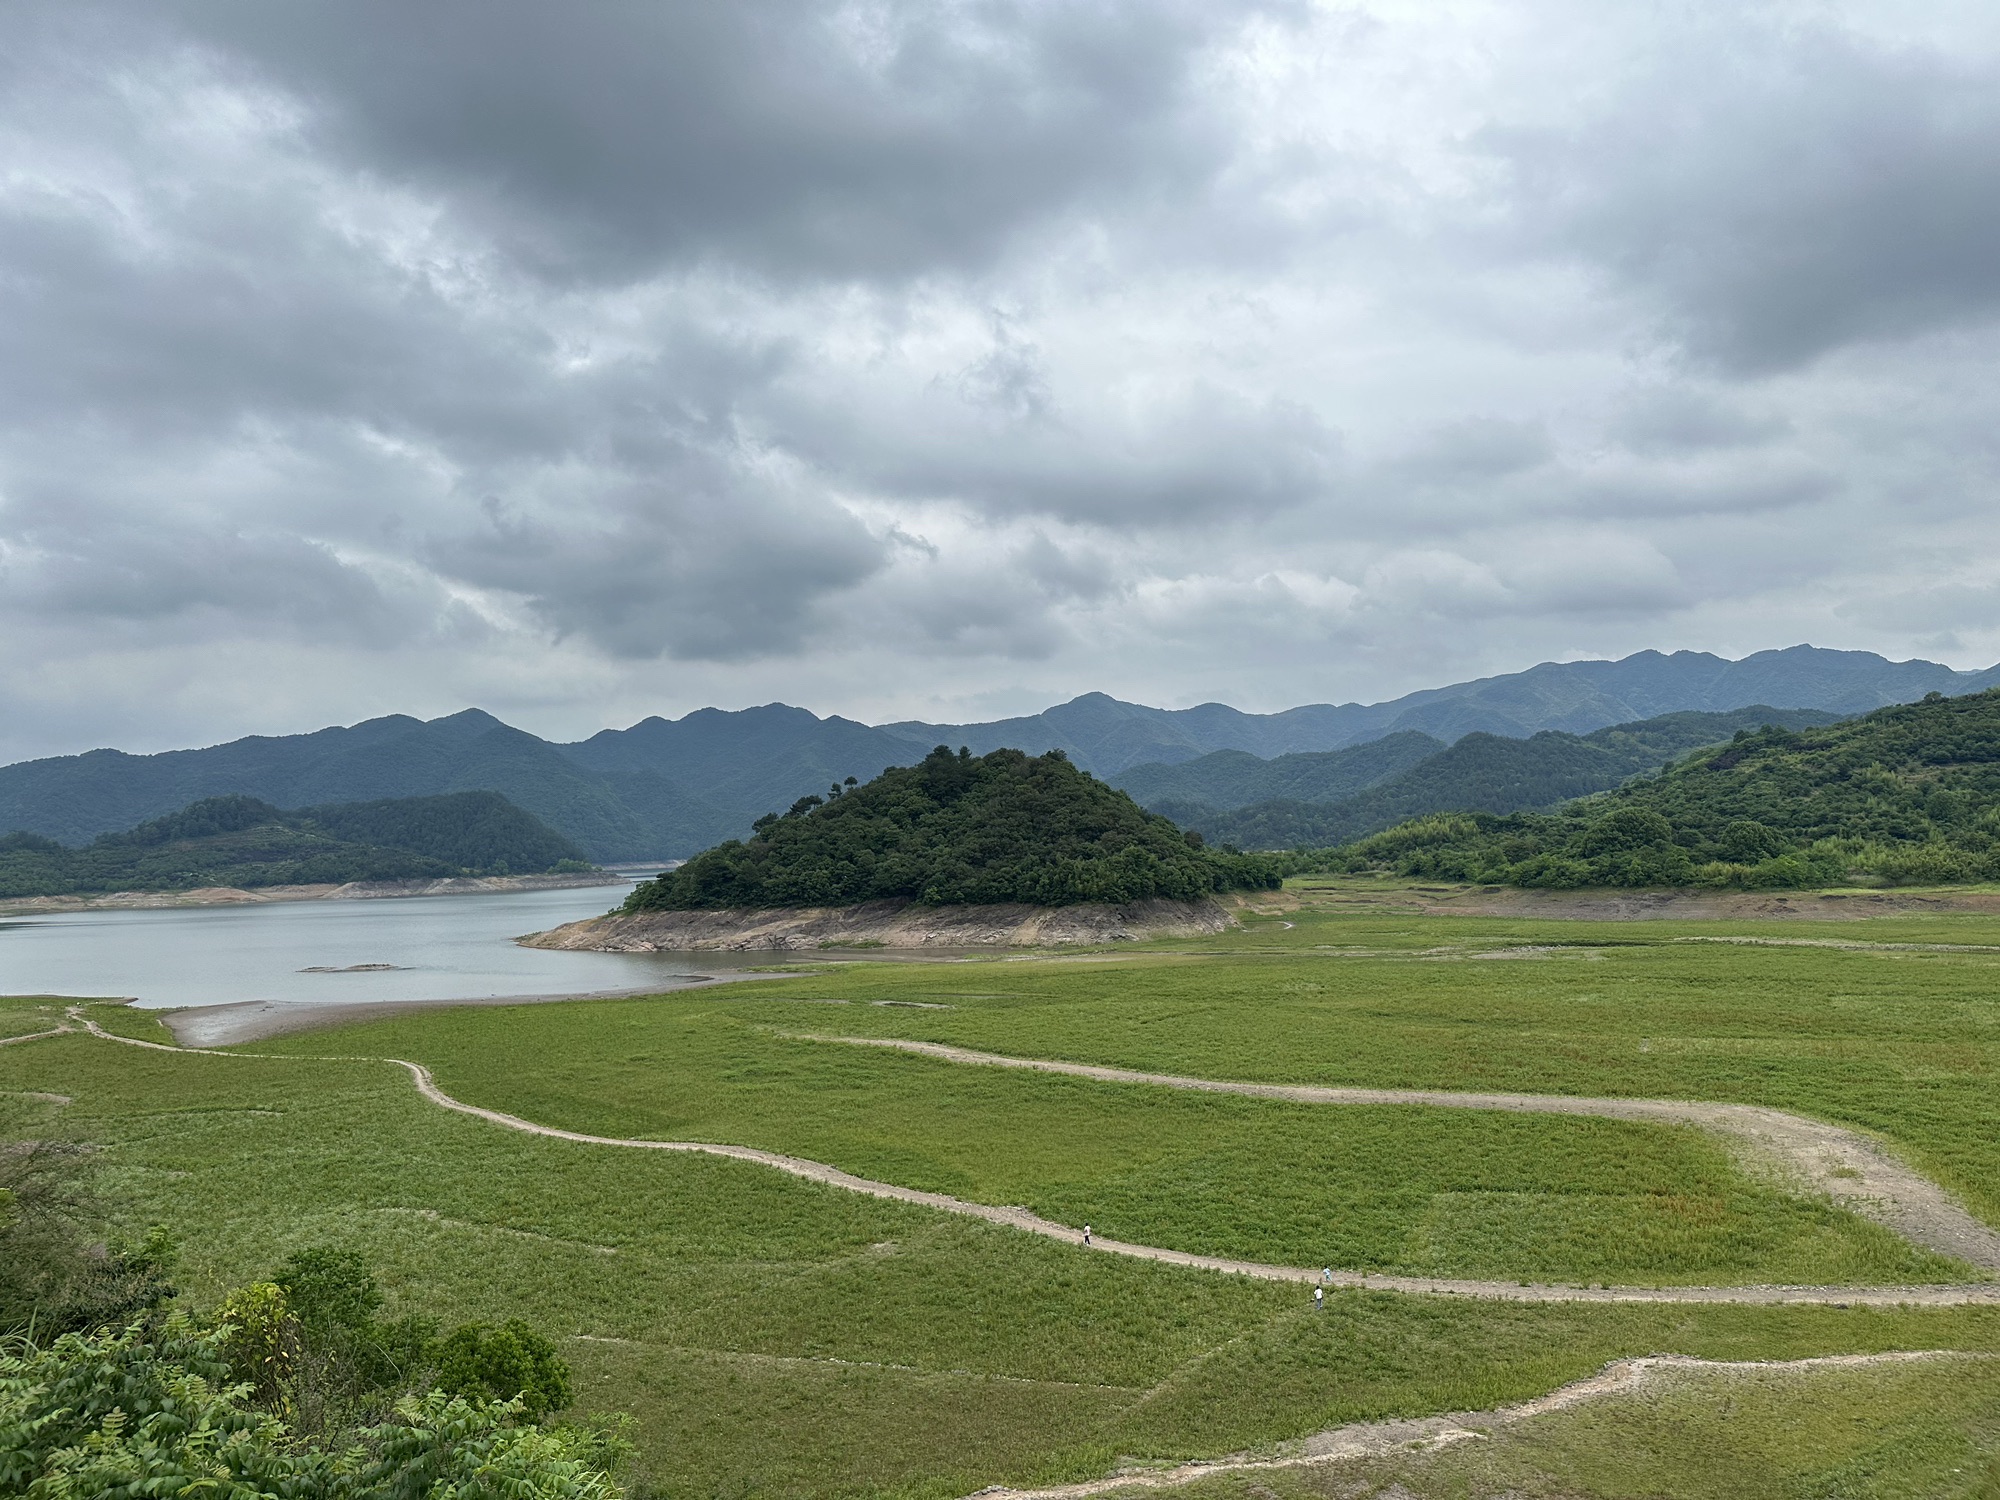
{"x":444,"y":947}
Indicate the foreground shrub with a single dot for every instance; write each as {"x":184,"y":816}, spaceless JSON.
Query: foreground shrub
{"x":55,"y":1275}
{"x":134,"y":1414}
{"x":508,"y":1363}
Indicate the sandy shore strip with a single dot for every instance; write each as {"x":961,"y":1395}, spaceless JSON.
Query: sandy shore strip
{"x":265,"y":895}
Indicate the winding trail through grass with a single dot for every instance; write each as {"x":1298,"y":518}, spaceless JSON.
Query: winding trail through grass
{"x":1979,"y":1293}
{"x":1847,"y":1166}
{"x":1361,"y":1440}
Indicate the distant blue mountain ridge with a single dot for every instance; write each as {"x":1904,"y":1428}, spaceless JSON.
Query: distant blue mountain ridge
{"x":665,"y":788}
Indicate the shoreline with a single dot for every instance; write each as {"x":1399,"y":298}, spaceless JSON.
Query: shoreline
{"x":353,"y":890}
{"x":892,"y":924}
{"x":231,"y":1023}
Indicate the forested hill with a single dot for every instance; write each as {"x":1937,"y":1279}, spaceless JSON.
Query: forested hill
{"x":996,"y":828}
{"x":242,"y":842}
{"x":1481,"y":773}
{"x":667,"y":788}
{"x":1909,"y":794}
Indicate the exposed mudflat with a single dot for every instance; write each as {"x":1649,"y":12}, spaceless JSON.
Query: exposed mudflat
{"x":886,"y":924}
{"x":353,"y":890}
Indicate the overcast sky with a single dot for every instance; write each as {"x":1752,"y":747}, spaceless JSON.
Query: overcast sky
{"x":588,"y":360}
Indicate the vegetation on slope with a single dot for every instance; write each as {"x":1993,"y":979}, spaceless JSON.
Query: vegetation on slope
{"x":1004,"y":827}
{"x":241,"y":841}
{"x":1230,"y":779}
{"x":1488,"y":773}
{"x":1905,"y":795}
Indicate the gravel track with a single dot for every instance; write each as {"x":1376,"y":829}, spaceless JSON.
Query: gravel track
{"x":1986,"y":1293}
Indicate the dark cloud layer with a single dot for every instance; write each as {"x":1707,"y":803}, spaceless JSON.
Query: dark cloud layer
{"x":614,"y":358}
{"x":1783,"y":191}
{"x":606,"y":139}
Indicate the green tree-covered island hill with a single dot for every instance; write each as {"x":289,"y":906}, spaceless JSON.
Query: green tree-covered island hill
{"x":957,"y":848}
{"x":1907,"y":795}
{"x":246,"y":844}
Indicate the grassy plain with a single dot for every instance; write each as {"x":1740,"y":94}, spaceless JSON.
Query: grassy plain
{"x":1903,"y":1041}
{"x":775,"y":1337}
{"x":1402,"y":1188}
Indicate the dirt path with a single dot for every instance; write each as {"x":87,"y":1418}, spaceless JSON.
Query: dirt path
{"x":1847,"y":1166}
{"x":1360,"y":1440}
{"x":1986,"y":1294}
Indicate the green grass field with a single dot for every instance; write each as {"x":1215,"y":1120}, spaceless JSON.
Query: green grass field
{"x":1398,"y":1188}
{"x":775,"y":1337}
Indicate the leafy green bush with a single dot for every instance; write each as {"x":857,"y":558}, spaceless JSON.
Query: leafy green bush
{"x":508,"y":1363}
{"x":1004,"y":827}
{"x":138,"y":1414}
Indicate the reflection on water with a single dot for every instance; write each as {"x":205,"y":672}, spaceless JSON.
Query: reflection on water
{"x":419,"y":948}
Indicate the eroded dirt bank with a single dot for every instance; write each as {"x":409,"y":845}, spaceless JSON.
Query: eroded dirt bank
{"x":885,"y":924}
{"x":1602,"y":905}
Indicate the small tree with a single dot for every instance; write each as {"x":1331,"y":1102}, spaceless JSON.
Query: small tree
{"x":508,"y":1363}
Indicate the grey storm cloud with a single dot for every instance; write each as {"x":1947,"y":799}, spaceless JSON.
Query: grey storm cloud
{"x":1783,"y":189}
{"x":937,"y":359}
{"x":601,"y":139}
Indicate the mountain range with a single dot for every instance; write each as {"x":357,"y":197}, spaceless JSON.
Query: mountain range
{"x":667,"y":788}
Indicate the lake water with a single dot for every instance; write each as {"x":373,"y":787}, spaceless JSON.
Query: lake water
{"x":443,"y":948}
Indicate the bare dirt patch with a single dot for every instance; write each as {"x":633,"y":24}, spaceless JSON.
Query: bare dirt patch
{"x":1640,"y":906}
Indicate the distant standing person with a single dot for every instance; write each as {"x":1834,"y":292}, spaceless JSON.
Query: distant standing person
{"x":1319,"y":1298}
{"x":1326,"y":1276}
{"x":1086,"y":1234}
